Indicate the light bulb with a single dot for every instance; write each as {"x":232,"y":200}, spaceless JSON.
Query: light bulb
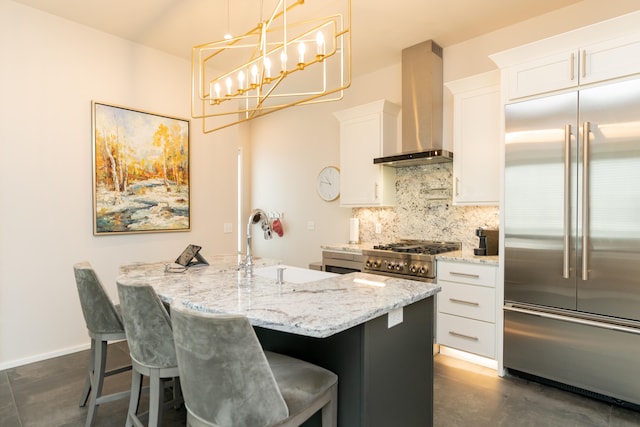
{"x":320,"y":42}
{"x":229,"y":82}
{"x":254,"y":74}
{"x":241,"y":80}
{"x":301,"y":49}
{"x":216,"y":87}
{"x":267,"y":67}
{"x":283,"y":59}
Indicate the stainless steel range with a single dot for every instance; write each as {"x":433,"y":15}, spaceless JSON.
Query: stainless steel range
{"x":407,"y":259}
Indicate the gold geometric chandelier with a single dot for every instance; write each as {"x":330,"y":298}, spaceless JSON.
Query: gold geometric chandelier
{"x":287,"y":59}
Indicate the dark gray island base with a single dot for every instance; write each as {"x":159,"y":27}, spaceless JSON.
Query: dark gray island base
{"x":385,"y":375}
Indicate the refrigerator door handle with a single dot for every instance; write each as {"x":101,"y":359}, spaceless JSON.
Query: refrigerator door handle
{"x":567,"y":202}
{"x":571,"y":319}
{"x":586,"y":130}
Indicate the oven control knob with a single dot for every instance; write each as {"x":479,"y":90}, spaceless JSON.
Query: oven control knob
{"x":423,"y":270}
{"x":414,"y":268}
{"x":399,"y":267}
{"x":368,"y":263}
{"x":389,"y":266}
{"x":376,"y":264}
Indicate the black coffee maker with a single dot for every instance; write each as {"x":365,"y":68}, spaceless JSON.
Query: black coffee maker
{"x":488,"y":242}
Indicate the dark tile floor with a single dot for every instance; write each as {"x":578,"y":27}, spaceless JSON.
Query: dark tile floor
{"x":46,"y":394}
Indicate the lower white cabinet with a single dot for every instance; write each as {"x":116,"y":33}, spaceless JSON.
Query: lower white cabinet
{"x":466,"y":317}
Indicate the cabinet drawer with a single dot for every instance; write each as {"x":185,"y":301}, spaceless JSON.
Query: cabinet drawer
{"x":474,"y":274}
{"x":474,"y":302}
{"x":469,"y":335}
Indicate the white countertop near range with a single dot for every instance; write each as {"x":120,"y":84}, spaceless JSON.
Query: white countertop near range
{"x":318,"y":308}
{"x":459,"y":256}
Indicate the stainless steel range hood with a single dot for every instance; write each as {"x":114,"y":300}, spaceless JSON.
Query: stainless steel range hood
{"x":421,"y":108}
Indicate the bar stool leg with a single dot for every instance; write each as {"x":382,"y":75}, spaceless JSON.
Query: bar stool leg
{"x":87,"y":385}
{"x":99,"y":362}
{"x":134,"y":399}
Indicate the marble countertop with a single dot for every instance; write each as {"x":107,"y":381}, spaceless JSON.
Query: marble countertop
{"x":467,"y":256}
{"x":348,"y":247}
{"x":318,"y":308}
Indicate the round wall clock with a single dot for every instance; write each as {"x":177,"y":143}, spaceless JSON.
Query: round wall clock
{"x":329,"y":183}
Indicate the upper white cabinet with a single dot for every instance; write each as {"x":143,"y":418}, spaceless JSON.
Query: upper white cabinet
{"x":476,"y":139}
{"x":366,"y":132}
{"x":599,"y":52}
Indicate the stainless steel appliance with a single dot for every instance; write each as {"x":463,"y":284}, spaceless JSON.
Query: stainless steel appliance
{"x":407,"y":259}
{"x":341,"y":262}
{"x":572,"y":239}
{"x":421,"y":108}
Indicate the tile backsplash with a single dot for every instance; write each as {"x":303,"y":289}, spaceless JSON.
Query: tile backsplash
{"x":424,"y":210}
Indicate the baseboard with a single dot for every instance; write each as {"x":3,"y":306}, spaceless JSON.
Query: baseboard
{"x":43,"y":356}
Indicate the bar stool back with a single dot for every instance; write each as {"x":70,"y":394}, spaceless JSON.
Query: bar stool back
{"x":104,"y":324}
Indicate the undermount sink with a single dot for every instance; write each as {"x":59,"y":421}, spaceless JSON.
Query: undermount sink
{"x":292,"y":274}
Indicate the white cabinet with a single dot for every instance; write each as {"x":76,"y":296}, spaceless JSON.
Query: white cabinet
{"x":592,"y":63}
{"x":477,"y":129}
{"x":366,"y":132}
{"x":466,"y":317}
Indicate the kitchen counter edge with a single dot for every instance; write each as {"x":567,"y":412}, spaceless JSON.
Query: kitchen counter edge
{"x":469,"y":257}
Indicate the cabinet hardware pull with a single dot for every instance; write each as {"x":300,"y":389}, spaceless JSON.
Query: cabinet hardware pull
{"x":455,"y":273}
{"x":461,"y":301}
{"x":583,"y":63}
{"x":573,"y":65}
{"x":469,"y":337}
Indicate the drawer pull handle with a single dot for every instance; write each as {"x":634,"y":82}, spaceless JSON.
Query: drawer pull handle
{"x":461,"y":301}
{"x":455,"y":273}
{"x":469,"y":337}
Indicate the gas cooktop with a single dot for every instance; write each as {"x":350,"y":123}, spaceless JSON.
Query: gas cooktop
{"x":413,"y":259}
{"x":427,"y":247}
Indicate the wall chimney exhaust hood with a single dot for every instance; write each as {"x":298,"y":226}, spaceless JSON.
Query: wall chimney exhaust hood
{"x":421,"y":108}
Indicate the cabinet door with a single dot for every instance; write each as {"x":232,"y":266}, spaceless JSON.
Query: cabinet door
{"x":472,"y":302}
{"x":463,"y":272}
{"x":476,"y":136}
{"x":465,"y":334}
{"x":543,"y":75}
{"x":611,"y":59}
{"x":360,"y":178}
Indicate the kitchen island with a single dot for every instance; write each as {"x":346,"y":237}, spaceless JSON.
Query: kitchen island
{"x":374,"y":332}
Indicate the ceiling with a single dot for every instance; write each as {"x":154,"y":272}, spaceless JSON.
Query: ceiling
{"x":380,"y":28}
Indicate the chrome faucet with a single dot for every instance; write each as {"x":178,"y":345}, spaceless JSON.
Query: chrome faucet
{"x":256,"y":215}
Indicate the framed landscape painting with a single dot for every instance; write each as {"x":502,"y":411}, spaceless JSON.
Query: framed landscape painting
{"x":140,"y":171}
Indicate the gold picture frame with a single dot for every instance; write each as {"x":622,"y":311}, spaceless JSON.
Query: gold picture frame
{"x":141,"y":171}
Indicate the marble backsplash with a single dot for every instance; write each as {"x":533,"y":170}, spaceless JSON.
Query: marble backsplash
{"x":424,"y":210}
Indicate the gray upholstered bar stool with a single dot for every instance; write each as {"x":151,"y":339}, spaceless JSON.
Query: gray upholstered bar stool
{"x":150,"y":337}
{"x":229,"y":381}
{"x":103,"y":324}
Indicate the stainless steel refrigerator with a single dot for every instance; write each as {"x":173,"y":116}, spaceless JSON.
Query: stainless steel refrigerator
{"x":572,"y":239}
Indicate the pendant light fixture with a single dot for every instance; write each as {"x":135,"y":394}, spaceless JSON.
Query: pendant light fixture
{"x":287,"y":59}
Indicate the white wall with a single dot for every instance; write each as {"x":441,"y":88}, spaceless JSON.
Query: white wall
{"x":50,"y":71}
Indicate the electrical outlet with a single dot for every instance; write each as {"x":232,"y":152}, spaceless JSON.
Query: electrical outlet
{"x":228,"y":228}
{"x":378,"y":228}
{"x":311,"y":225}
